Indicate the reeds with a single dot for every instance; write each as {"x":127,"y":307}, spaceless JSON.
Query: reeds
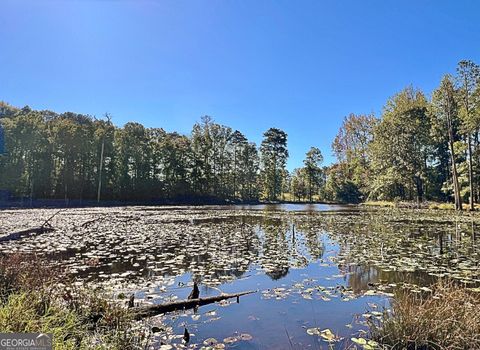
{"x":448,"y":317}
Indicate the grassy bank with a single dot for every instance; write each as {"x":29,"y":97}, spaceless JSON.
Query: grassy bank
{"x":423,"y":205}
{"x":443,"y":317}
{"x":383,"y":204}
{"x":34,"y":298}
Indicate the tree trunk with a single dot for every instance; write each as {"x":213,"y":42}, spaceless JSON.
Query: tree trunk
{"x":310,"y":187}
{"x":470,"y":172}
{"x":456,"y":186}
{"x":31,"y":193}
{"x":235,"y":173}
{"x":418,"y":190}
{"x":469,"y":142}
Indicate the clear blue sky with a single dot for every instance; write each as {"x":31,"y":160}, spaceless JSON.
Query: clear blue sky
{"x":251,"y":64}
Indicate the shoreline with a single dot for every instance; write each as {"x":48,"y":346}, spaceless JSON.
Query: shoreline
{"x":60,"y":203}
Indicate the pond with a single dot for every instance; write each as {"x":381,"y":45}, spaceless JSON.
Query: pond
{"x":320,"y":271}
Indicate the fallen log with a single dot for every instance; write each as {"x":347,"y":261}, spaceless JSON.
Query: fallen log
{"x":147,"y":311}
{"x":26,"y":233}
{"x":44,"y":228}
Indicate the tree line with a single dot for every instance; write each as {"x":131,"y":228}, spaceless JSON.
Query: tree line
{"x":421,"y":148}
{"x":73,"y":156}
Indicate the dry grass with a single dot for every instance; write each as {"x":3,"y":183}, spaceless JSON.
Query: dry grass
{"x":450,"y":206}
{"x":446,"y":318}
{"x":26,"y":272}
{"x":414,"y":205}
{"x":383,"y":204}
{"x":36,"y":297}
{"x":441,"y":206}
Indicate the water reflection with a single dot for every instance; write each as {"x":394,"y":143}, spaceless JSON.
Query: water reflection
{"x":215,"y":246}
{"x":313,"y":261}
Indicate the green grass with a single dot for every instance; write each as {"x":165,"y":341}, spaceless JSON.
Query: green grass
{"x":32,"y":313}
{"x":33,"y":301}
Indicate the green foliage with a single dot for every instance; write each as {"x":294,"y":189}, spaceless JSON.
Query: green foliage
{"x":299,"y":184}
{"x":274,"y":155}
{"x":351,"y":147}
{"x":339,"y":188}
{"x":445,"y":125}
{"x":306,"y":183}
{"x":26,"y":141}
{"x":313,"y":161}
{"x":418,"y":150}
{"x":401,"y":147}
{"x":73,"y":156}
{"x":26,"y":313}
{"x":468,"y":75}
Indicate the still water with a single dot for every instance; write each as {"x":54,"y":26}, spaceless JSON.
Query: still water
{"x":314,"y":267}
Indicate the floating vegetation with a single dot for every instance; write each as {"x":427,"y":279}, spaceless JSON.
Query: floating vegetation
{"x":325,"y":334}
{"x":342,"y":260}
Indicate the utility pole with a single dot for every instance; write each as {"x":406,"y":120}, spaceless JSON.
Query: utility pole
{"x":101,"y":161}
{"x":100,"y":170}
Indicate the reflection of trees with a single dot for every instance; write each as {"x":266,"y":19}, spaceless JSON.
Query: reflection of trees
{"x":275,"y":257}
{"x":222,"y":248}
{"x":210,"y":250}
{"x":360,"y":277}
{"x":313,"y":236}
{"x":230,"y":250}
{"x":389,"y":248}
{"x":288,"y":243}
{"x":278,"y":273}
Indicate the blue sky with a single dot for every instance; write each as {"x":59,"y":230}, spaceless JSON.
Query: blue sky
{"x":251,"y":64}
